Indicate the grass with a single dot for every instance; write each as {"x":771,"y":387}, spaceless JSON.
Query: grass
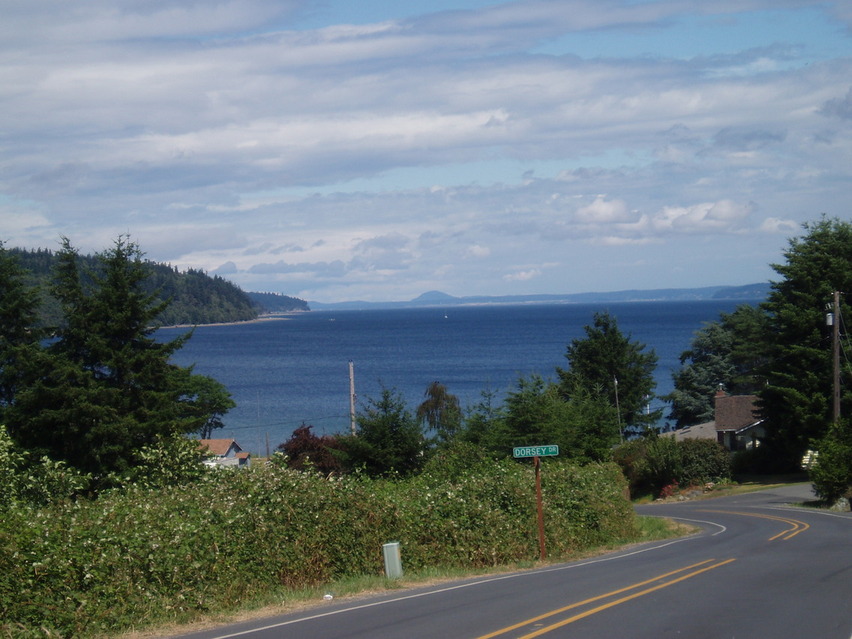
{"x":285,"y":601}
{"x":742,"y":485}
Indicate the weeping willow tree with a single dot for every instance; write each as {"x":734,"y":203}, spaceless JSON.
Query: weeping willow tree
{"x":440,"y":412}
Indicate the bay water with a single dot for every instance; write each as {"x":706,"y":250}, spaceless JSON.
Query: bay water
{"x":294,"y":370}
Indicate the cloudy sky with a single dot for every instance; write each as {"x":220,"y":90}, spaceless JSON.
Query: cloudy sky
{"x":377,"y":149}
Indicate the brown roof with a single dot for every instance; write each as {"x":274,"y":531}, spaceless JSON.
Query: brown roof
{"x":218,"y":447}
{"x":734,"y":412}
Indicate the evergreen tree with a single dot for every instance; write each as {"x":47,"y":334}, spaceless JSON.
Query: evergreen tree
{"x":609,"y":364}
{"x":534,"y":410}
{"x":209,"y":400}
{"x":797,"y":399}
{"x":727,"y":354}
{"x":19,"y":337}
{"x":389,"y":439}
{"x":104,"y":388}
{"x":536,"y":413}
{"x":482,"y":421}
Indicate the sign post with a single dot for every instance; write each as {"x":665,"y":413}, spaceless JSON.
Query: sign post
{"x":536,"y":452}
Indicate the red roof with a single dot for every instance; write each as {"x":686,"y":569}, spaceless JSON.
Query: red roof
{"x":219,"y":447}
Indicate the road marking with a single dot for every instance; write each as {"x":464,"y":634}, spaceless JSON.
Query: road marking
{"x":696,"y":569}
{"x":467,"y":584}
{"x":796,"y":526}
{"x":697,"y":521}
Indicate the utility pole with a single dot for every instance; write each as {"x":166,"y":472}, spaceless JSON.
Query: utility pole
{"x":352,"y":396}
{"x":835,"y":338}
{"x":618,"y":410}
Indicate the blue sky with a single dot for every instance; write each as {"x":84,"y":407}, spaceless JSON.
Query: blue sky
{"x":377,"y":150}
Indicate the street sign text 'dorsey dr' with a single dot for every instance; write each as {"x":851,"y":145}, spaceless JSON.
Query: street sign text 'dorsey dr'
{"x":535,"y":451}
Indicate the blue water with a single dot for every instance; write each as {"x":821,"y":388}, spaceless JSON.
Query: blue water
{"x":283,"y":373}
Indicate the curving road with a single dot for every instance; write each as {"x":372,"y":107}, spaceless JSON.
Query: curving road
{"x":759,"y":568}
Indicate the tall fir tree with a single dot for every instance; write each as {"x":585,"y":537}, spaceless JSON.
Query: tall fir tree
{"x":796,"y":401}
{"x":19,"y":335}
{"x":609,"y":363}
{"x":389,"y":439}
{"x":729,"y":354}
{"x":104,"y":388}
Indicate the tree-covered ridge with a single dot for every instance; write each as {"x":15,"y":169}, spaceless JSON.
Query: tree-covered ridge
{"x":197,"y":298}
{"x":194,"y":296}
{"x":277,"y":303}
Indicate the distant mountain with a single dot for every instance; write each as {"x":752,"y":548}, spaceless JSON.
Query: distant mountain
{"x":749,"y":292}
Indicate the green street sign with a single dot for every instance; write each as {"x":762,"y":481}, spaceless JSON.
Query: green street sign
{"x":535,"y":451}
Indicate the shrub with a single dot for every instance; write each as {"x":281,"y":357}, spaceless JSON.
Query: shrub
{"x":631,"y":457}
{"x":653,"y":464}
{"x":99,"y":567}
{"x":663,"y":463}
{"x":24,"y":480}
{"x":305,"y":451}
{"x":832,"y":473}
{"x":703,"y":460}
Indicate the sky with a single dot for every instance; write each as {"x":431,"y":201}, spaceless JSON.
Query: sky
{"x":375,"y":150}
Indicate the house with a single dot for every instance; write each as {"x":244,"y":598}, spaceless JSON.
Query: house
{"x":736,"y":426}
{"x":224,"y":452}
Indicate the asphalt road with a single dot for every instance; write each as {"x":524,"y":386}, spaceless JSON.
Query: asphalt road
{"x":758,"y":568}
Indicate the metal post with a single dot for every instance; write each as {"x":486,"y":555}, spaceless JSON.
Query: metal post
{"x":393,"y":560}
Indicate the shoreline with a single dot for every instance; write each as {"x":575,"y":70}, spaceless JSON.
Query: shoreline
{"x":267,"y":317}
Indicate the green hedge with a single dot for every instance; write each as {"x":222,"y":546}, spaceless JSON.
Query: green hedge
{"x":651,"y":464}
{"x":143,"y":556}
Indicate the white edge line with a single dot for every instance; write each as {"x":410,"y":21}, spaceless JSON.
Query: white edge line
{"x":469,"y":584}
{"x":702,"y":521}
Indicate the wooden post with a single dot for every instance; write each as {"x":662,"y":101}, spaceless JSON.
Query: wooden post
{"x":836,"y":347}
{"x":540,"y":508}
{"x":352,"y":396}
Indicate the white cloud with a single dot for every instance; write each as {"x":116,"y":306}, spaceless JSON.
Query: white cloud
{"x":374,"y":154}
{"x":774,"y":225}
{"x":603,"y":211}
{"x":724,"y":215}
{"x":476,"y":250}
{"x":522,"y":276}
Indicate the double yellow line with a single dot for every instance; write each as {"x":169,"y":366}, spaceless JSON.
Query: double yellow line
{"x":796,"y":526}
{"x":661,"y":581}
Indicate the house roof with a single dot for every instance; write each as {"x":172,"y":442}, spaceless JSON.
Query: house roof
{"x":735,"y":412}
{"x":219,"y":447}
{"x":698,"y":431}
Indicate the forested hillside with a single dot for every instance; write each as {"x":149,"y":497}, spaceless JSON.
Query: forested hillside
{"x":196,"y":298}
{"x":277,"y":303}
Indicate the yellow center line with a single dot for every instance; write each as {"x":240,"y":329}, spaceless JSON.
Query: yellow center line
{"x":613,"y":593}
{"x":797,"y":526}
{"x":593,"y":611}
